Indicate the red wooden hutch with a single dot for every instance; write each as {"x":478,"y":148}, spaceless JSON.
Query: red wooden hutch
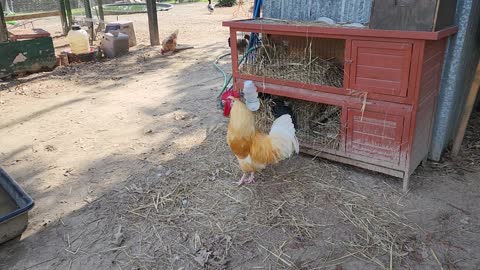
{"x":388,"y":129}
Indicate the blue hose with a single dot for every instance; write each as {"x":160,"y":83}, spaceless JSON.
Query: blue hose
{"x":256,"y":11}
{"x":253,"y":42}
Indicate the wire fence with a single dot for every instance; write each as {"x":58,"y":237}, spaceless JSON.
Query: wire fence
{"x":31,"y":6}
{"x":19,"y":12}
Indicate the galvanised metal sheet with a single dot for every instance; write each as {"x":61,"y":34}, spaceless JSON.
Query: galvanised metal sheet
{"x":310,"y":10}
{"x":459,"y":67}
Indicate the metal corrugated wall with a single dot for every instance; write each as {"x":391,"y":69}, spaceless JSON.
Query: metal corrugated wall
{"x":310,"y":10}
{"x":460,"y":62}
{"x":459,"y":67}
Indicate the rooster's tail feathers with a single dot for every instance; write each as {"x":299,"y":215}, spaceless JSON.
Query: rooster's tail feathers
{"x":283,"y":136}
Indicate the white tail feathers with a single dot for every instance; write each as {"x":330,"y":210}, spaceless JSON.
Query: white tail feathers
{"x":283,"y":136}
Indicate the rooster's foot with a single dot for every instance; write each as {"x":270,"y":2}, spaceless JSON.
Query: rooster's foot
{"x":242,"y":180}
{"x":246,"y":180}
{"x":251,"y":179}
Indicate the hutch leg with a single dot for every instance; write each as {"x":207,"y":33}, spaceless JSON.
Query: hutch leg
{"x":424,"y":161}
{"x":406,"y":182}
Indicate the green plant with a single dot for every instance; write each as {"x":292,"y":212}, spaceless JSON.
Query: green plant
{"x":226,"y":3}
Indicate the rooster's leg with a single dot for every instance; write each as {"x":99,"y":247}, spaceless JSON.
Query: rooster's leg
{"x":251,"y":179}
{"x":243,"y":179}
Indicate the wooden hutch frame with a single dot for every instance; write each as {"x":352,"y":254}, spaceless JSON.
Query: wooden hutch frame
{"x":399,"y":72}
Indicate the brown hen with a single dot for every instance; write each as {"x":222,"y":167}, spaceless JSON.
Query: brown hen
{"x":169,"y":44}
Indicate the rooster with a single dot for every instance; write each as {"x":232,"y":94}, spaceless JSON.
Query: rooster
{"x":210,"y":7}
{"x":255,"y":150}
{"x":169,"y":44}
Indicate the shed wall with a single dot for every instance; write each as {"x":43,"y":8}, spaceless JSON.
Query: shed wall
{"x":310,"y":10}
{"x":459,"y":67}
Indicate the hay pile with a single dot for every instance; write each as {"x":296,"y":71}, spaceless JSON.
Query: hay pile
{"x":276,"y":62}
{"x":198,"y":220}
{"x":316,"y":124}
{"x":264,"y":117}
{"x":186,"y":214}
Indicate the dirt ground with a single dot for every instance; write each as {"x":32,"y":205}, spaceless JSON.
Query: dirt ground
{"x":128,"y":166}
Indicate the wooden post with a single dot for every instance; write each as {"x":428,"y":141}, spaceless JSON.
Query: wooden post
{"x":88,"y":14}
{"x":68,"y":8}
{"x":153,"y":22}
{"x":472,"y":96}
{"x":101,"y":14}
{"x":3,"y":26}
{"x":63,"y":17}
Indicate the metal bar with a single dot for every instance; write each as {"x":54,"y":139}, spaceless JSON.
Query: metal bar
{"x":153,"y":22}
{"x":3,"y":26}
{"x":63,"y":16}
{"x":68,"y":8}
{"x":101,"y":14}
{"x":88,"y":14}
{"x":472,"y":95}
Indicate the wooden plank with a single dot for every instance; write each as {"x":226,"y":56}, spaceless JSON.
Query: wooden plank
{"x":313,"y":30}
{"x":380,"y":60}
{"x":299,"y":92}
{"x":63,"y":16}
{"x":431,"y":70}
{"x":435,"y":15}
{"x":372,"y":142}
{"x":472,"y":96}
{"x":372,"y":96}
{"x":446,"y":14}
{"x":20,"y":33}
{"x":33,"y":15}
{"x":389,"y":81}
{"x":153,"y":22}
{"x":317,"y":87}
{"x":385,"y":87}
{"x":384,"y":130}
{"x":379,"y":48}
{"x":410,"y":15}
{"x":349,"y":161}
{"x":3,"y":26}
{"x":413,"y":15}
{"x":380,"y":73}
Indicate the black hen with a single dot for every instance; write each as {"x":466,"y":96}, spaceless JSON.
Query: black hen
{"x":281,"y":107}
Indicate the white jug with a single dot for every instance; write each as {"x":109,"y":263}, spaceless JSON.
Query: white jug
{"x":78,"y":39}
